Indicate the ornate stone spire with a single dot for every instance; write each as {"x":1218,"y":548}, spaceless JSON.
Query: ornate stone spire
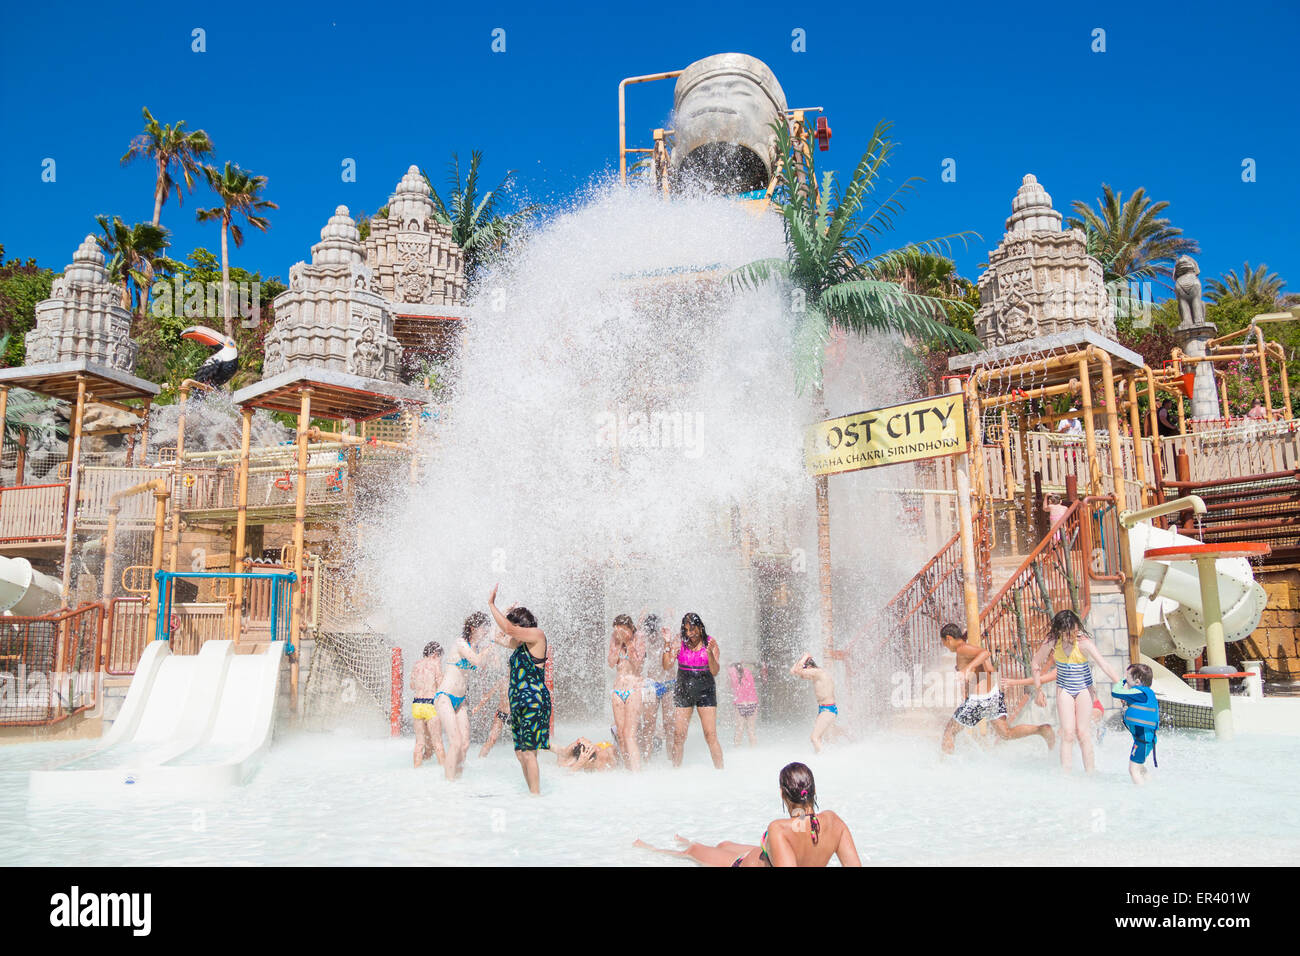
{"x":330,"y":316}
{"x":83,"y":317}
{"x":88,"y":267}
{"x":410,"y":204}
{"x":1040,"y":278}
{"x":1031,"y":210}
{"x":416,"y":264}
{"x":340,"y":243}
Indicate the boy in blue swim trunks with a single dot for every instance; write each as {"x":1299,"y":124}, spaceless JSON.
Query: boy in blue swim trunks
{"x":1141,"y":717}
{"x":824,"y":689}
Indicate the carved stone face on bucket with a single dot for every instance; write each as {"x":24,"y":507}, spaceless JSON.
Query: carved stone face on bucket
{"x":724,"y":107}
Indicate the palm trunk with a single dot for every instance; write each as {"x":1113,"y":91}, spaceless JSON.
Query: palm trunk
{"x":158,"y":197}
{"x":228,"y":324}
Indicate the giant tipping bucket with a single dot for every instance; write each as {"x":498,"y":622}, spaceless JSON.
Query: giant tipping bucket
{"x":724,"y":107}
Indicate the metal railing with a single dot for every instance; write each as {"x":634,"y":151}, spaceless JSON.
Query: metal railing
{"x":908,"y":625}
{"x":189,"y":626}
{"x":1054,"y":577}
{"x":128,"y":629}
{"x":33,"y":512}
{"x":99,"y":484}
{"x":49,"y":666}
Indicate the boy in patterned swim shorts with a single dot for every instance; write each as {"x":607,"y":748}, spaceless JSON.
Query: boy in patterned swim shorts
{"x":988,"y":702}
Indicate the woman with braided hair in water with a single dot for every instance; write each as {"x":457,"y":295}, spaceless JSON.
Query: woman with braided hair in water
{"x":804,"y":837}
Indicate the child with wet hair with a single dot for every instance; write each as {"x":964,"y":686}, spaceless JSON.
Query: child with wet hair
{"x":1141,"y":717}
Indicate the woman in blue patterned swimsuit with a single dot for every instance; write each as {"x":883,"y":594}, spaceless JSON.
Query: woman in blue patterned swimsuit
{"x":530,"y":701}
{"x":627,"y":657}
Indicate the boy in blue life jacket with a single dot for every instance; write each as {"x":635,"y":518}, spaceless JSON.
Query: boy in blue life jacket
{"x":1141,"y":717}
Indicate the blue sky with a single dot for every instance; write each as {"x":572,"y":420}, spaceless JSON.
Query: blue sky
{"x":1181,"y":96}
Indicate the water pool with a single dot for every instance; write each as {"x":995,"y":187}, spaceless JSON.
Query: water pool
{"x":335,"y":799}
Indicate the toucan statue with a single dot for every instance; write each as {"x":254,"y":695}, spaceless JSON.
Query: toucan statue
{"x":221,"y":366}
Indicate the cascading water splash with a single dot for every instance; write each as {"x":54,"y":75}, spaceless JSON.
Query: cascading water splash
{"x":621,"y":421}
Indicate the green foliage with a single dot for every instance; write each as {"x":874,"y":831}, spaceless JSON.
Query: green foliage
{"x":832,"y":266}
{"x":22,"y":285}
{"x":169,"y":146}
{"x":1251,"y":284}
{"x":135,"y":257}
{"x":1232,"y":313}
{"x":477,"y":226}
{"x":1129,"y":238}
{"x":166,"y":357}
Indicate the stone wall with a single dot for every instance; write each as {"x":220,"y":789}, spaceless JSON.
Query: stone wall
{"x":1276,"y":641}
{"x":1109,"y":627}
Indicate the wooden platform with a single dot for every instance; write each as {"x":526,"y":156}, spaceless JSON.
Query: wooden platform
{"x":334,"y":395}
{"x":59,"y":380}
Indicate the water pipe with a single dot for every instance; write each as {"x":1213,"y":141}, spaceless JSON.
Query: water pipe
{"x":339,"y":438}
{"x":157,"y":485}
{"x":265,"y":451}
{"x":1130,"y":518}
{"x":622,"y":114}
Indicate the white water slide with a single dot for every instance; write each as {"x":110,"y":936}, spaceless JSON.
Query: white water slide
{"x":190,"y":724}
{"x":1169,"y":595}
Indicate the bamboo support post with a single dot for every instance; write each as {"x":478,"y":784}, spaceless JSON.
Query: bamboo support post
{"x":160,"y":497}
{"x":74,"y":488}
{"x":1135,"y":427}
{"x":1263,"y":373}
{"x":1112,"y":427}
{"x":1090,"y":434}
{"x":966,"y":523}
{"x":827,"y":607}
{"x":144,"y":431}
{"x":299,"y":534}
{"x":176,"y":476}
{"x":1009,"y":477}
{"x":1025,"y":478}
{"x":241,"y":522}
{"x":4,"y":419}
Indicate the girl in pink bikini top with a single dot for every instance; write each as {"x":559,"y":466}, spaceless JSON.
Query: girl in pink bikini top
{"x":693,"y":660}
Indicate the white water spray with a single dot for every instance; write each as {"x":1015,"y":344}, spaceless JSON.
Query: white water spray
{"x":624,"y":424}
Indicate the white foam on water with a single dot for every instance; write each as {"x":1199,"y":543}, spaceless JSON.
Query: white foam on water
{"x":334,"y":799}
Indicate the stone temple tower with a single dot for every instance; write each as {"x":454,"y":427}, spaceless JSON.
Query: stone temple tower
{"x":330,"y":317}
{"x":1040,"y":279}
{"x":413,"y":258}
{"x":84,"y":317}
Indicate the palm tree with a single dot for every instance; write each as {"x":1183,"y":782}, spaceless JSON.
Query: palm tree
{"x":928,"y":274}
{"x":830,"y":260}
{"x":476,"y":226}
{"x":169,"y":146}
{"x":240,"y":193}
{"x":1129,"y":238}
{"x":30,"y":413}
{"x":134,"y":253}
{"x":1257,"y":283}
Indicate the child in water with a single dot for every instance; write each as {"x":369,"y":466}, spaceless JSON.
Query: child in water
{"x":824,"y":689}
{"x":1141,"y":717}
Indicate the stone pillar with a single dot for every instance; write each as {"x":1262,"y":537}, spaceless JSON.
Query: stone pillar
{"x":1205,"y":397}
